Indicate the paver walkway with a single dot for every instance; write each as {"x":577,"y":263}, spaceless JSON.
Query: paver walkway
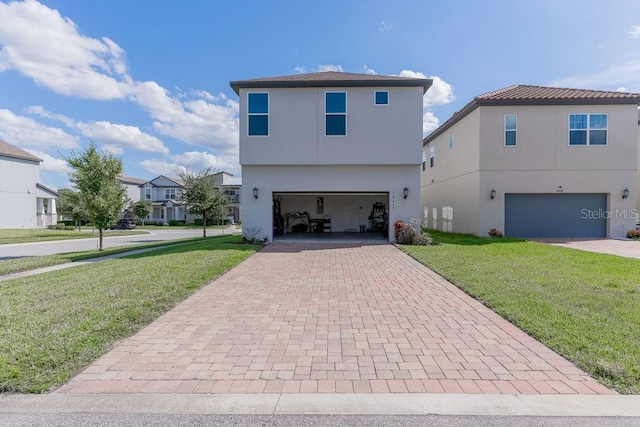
{"x":304,"y":318}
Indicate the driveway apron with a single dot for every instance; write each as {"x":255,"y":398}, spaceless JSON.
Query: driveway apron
{"x":332,"y":318}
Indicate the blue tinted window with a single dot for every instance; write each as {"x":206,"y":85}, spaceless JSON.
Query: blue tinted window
{"x":578,"y":121}
{"x":259,"y":125}
{"x":510,"y":122}
{"x":258,"y":103}
{"x":598,"y":121}
{"x":382,"y":98}
{"x":510,"y":138}
{"x":578,"y":137}
{"x":336,"y":102}
{"x":336,"y":124}
{"x":598,"y":137}
{"x":588,"y":129}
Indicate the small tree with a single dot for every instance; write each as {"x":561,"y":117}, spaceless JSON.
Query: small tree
{"x":70,"y":206}
{"x":200,"y":195}
{"x":95,"y":175}
{"x":141,"y":209}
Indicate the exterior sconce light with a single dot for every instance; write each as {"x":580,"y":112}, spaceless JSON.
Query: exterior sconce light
{"x":405,"y":192}
{"x":255,"y":192}
{"x":625,"y":193}
{"x":493,"y":193}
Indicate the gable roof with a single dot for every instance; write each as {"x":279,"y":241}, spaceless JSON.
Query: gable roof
{"x":536,"y":95}
{"x":9,"y":150}
{"x":47,"y":190}
{"x":130,"y":180}
{"x":177,"y":181}
{"x":329,"y":79}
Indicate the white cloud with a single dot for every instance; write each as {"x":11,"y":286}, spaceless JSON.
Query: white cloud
{"x":41,"y":44}
{"x":634,"y":32}
{"x":25,"y":131}
{"x":299,"y":69}
{"x":623,"y":74}
{"x":621,"y":89}
{"x":42,"y":112}
{"x":328,"y":67}
{"x":368,"y":70}
{"x":196,"y":160}
{"x":50,"y":163}
{"x":429,"y":122}
{"x":113,"y":149}
{"x":440,"y":92}
{"x":123,"y":136}
{"x":384,"y":27}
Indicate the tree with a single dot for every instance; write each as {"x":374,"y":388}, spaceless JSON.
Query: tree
{"x":200,"y":195}
{"x":141,"y":209}
{"x":70,"y":206}
{"x":95,"y":175}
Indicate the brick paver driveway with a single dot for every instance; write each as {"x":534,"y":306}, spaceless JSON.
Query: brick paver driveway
{"x":304,"y":318}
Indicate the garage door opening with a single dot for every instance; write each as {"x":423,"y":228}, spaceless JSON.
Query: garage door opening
{"x":330,"y":216}
{"x":555,"y":215}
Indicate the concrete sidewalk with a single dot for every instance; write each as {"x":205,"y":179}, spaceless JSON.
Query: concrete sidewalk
{"x":620,"y":247}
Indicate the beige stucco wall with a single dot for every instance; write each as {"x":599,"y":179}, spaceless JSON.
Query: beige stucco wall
{"x":18,"y":180}
{"x":375,"y":134}
{"x":451,"y":187}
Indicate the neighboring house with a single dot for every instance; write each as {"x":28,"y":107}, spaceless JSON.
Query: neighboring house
{"x":132,"y":186}
{"x":232,"y":189}
{"x":26,"y":203}
{"x":535,"y":161}
{"x":165,"y":194}
{"x":318,"y":151}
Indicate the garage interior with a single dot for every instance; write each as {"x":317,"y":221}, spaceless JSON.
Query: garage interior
{"x":330,"y":215}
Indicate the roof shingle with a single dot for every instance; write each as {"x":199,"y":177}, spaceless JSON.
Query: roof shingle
{"x":9,"y":150}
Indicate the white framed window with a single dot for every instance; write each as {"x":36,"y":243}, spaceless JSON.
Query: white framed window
{"x":588,"y":129}
{"x":381,"y":97}
{"x":147,"y":193}
{"x":432,"y":156}
{"x":424,"y":160}
{"x":257,"y":114}
{"x":335,"y":113}
{"x":510,"y":130}
{"x":451,"y":140}
{"x":169,"y":193}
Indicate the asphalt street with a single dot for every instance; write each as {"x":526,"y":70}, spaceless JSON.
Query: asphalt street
{"x":19,"y":250}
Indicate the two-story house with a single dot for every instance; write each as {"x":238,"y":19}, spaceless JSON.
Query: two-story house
{"x":132,"y":186}
{"x":535,"y":161}
{"x":165,"y":194}
{"x":26,"y":203}
{"x":329,"y":151}
{"x":232,"y":189}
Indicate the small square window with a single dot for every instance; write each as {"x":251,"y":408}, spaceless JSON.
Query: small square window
{"x":382,"y":97}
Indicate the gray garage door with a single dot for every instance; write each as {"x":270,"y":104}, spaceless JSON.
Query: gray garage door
{"x":555,"y":215}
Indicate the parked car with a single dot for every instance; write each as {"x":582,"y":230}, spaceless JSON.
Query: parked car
{"x":123,"y":224}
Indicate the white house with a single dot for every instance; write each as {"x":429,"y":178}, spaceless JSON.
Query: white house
{"x":132,"y":185}
{"x":535,"y":161}
{"x":165,"y":194}
{"x":329,"y":151}
{"x":25,"y":202}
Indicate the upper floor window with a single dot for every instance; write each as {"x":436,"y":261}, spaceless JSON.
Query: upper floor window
{"x":450,"y":140}
{"x":510,"y":130}
{"x":588,"y":129}
{"x":258,"y":114}
{"x":335,"y":109}
{"x":424,"y":160}
{"x":432,"y":156}
{"x":169,"y":193}
{"x":382,"y":97}
{"x":147,"y":193}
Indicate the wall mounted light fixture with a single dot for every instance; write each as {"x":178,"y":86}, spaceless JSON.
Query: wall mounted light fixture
{"x":405,"y":192}
{"x":493,"y":193}
{"x":255,"y":192}
{"x":625,"y":193}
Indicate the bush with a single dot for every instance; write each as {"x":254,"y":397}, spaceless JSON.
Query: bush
{"x":633,"y":234}
{"x":67,"y":222}
{"x":494,"y":232}
{"x":58,"y":226}
{"x":407,"y":235}
{"x":174,"y":222}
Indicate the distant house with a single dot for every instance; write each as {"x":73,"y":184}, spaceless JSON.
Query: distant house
{"x":535,"y":161}
{"x":232,"y":188}
{"x":132,"y":186}
{"x":26,"y":203}
{"x":330,"y":152}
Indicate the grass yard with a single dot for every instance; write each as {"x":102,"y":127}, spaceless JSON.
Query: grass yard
{"x":9,"y":266}
{"x":583,"y":305}
{"x":54,"y":324}
{"x":27,"y":235}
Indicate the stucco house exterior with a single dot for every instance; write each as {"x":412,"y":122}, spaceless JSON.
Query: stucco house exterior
{"x":318,"y":151}
{"x":25,"y":202}
{"x":132,"y":185}
{"x":535,"y":161}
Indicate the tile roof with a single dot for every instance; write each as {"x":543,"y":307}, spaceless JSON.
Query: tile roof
{"x":9,"y":150}
{"x":330,"y":79}
{"x":537,"y":95}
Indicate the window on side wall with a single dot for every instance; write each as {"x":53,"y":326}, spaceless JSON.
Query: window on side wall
{"x":424,"y":160}
{"x":381,"y":97}
{"x":588,"y":129}
{"x":510,"y":130}
{"x":432,"y":156}
{"x":335,"y":109}
{"x":258,"y":114}
{"x":450,"y":140}
{"x":147,"y":194}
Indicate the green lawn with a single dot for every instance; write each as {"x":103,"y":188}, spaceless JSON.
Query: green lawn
{"x":54,"y":324}
{"x":27,"y":235}
{"x":9,"y":266}
{"x":585,"y":306}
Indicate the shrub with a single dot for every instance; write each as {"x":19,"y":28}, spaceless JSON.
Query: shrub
{"x":407,"y":235}
{"x":633,"y":234}
{"x":174,"y":222}
{"x":67,"y":222}
{"x":494,"y":232}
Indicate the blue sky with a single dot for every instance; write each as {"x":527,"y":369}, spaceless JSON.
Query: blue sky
{"x":149,"y":80}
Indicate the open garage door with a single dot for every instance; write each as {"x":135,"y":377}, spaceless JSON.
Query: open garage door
{"x":555,"y":215}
